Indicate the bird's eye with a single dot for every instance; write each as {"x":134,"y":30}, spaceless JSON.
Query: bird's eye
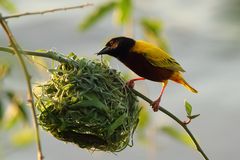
{"x":114,"y":44}
{"x":110,"y":43}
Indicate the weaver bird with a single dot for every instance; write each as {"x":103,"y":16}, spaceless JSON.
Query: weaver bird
{"x":147,"y":61}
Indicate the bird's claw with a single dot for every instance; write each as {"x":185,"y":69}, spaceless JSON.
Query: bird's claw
{"x":155,"y":105}
{"x":131,"y":84}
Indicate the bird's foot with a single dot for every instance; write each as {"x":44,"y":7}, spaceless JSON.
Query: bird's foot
{"x":155,"y":105}
{"x":131,"y":83}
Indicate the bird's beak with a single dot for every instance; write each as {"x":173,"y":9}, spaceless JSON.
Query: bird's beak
{"x":105,"y":50}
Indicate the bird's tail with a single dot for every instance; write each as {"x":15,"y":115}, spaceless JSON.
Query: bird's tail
{"x":177,"y":77}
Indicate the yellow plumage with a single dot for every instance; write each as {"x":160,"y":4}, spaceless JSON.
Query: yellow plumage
{"x":156,"y":56}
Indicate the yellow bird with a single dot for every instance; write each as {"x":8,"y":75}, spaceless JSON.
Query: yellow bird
{"x":148,"y":61}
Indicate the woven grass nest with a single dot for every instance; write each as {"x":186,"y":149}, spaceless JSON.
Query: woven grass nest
{"x":88,"y":104}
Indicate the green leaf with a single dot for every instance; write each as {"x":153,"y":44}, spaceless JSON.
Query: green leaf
{"x":23,"y":137}
{"x":178,"y":135}
{"x":95,"y":16}
{"x":124,"y":11}
{"x":193,"y":116}
{"x":188,"y":108}
{"x":8,"y":5}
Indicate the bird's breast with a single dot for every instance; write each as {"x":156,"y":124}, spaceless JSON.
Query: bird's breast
{"x":139,"y":64}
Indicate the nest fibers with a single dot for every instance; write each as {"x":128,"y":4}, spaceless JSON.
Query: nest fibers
{"x":88,"y":104}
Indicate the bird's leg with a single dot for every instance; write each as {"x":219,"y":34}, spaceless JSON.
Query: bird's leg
{"x":131,"y":83}
{"x":155,"y":104}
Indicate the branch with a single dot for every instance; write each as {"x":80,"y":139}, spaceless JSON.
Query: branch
{"x":177,"y":120}
{"x":17,"y":50}
{"x":47,"y":54}
{"x":46,"y":11}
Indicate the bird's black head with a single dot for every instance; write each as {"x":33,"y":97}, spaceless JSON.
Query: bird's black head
{"x":118,"y":47}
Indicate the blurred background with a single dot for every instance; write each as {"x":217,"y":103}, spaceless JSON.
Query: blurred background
{"x":203,"y":36}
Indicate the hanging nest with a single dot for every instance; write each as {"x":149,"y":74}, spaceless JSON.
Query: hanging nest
{"x":88,"y":104}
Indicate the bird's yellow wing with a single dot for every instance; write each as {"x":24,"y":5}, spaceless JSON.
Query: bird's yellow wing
{"x":156,"y":56}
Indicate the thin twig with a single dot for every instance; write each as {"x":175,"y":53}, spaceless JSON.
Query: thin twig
{"x":177,"y":120}
{"x":46,"y":11}
{"x":17,"y":50}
